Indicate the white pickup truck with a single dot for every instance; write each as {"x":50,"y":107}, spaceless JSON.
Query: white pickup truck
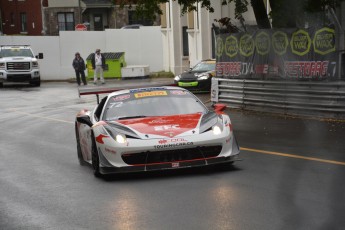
{"x":19,"y":64}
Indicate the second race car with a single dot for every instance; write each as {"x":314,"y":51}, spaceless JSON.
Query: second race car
{"x":198,"y":78}
{"x":155,"y":128}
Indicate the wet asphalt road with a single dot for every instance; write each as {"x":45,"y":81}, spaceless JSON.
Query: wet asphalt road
{"x":291,"y":177}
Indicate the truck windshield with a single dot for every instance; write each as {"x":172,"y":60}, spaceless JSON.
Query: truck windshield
{"x":16,"y":53}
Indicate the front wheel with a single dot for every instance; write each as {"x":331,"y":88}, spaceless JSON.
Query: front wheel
{"x":80,"y":155}
{"x":36,"y":82}
{"x":95,"y":158}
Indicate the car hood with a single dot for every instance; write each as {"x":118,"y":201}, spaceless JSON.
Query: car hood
{"x":166,"y":126}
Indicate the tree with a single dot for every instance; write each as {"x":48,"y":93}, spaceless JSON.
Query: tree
{"x":284,"y":12}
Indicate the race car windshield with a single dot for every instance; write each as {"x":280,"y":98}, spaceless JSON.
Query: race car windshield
{"x":152,"y":103}
{"x":204,"y":66}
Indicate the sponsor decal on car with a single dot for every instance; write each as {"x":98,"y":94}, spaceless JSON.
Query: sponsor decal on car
{"x":160,"y":121}
{"x":166,"y":127}
{"x":150,"y":94}
{"x":110,"y":151}
{"x":173,"y":145}
{"x":186,"y":84}
{"x":175,"y":140}
{"x":122,"y":97}
{"x":178,"y":92}
{"x":146,"y":89}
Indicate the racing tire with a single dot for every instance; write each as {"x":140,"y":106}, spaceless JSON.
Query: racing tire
{"x":80,"y":155}
{"x":95,"y":158}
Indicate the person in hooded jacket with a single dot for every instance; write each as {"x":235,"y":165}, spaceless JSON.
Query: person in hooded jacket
{"x":79,"y":67}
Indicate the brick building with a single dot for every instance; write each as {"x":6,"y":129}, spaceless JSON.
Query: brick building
{"x":49,"y":17}
{"x":22,"y":16}
{"x":97,"y":15}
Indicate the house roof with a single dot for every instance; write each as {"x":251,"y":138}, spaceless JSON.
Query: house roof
{"x":98,"y":3}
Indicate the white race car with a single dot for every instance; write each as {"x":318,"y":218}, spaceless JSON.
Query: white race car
{"x":155,"y":128}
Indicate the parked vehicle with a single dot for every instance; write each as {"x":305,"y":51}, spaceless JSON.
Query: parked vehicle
{"x":19,"y":64}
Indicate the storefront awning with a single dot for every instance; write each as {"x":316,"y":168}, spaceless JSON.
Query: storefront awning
{"x":97,"y":3}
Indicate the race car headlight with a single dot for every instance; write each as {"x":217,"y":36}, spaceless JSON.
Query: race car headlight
{"x":203,"y":76}
{"x":177,"y":78}
{"x":216,"y":130}
{"x":34,"y":64}
{"x":120,"y":138}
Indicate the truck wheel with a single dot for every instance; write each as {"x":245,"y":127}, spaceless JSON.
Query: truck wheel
{"x":36,"y":82}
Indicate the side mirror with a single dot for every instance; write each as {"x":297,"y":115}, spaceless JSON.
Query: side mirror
{"x":39,"y":56}
{"x":84,"y":119}
{"x":219,"y":108}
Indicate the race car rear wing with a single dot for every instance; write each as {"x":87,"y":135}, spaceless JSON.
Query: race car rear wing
{"x":97,"y":90}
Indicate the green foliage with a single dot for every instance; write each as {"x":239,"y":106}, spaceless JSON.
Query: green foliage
{"x":283,"y":14}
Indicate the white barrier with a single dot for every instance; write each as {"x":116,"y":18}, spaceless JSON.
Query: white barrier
{"x":141,"y":46}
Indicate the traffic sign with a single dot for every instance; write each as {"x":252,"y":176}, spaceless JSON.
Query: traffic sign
{"x":80,"y":27}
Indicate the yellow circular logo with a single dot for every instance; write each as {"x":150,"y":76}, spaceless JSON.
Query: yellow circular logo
{"x":324,"y":41}
{"x":280,"y":42}
{"x":300,"y":42}
{"x":263,"y":43}
{"x":246,"y":45}
{"x":231,"y":46}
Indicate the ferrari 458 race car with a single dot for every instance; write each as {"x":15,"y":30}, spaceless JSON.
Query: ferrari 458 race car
{"x":155,"y":128}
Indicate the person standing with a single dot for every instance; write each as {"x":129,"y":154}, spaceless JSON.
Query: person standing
{"x":79,"y":67}
{"x":98,"y":64}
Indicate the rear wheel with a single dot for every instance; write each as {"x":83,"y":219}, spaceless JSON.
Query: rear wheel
{"x":95,"y":158}
{"x":80,"y":155}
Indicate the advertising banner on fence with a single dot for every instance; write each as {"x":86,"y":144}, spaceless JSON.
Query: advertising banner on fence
{"x":301,"y":54}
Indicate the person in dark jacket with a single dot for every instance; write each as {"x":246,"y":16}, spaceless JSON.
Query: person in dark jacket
{"x":79,"y":67}
{"x":98,"y":65}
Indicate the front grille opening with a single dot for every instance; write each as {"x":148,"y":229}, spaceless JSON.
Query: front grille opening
{"x":168,"y":156}
{"x":18,"y":66}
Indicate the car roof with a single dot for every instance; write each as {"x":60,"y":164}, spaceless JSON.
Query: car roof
{"x":132,"y":26}
{"x":209,"y":60}
{"x":125,"y":91}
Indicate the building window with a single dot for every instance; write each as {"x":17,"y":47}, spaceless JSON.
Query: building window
{"x":66,"y":21}
{"x":133,"y":18}
{"x":23,"y":22}
{"x":185,"y":41}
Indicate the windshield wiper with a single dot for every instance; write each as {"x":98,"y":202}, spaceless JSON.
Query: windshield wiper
{"x":130,"y":117}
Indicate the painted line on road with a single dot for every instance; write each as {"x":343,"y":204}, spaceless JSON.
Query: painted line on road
{"x":294,"y":156}
{"x":38,"y":116}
